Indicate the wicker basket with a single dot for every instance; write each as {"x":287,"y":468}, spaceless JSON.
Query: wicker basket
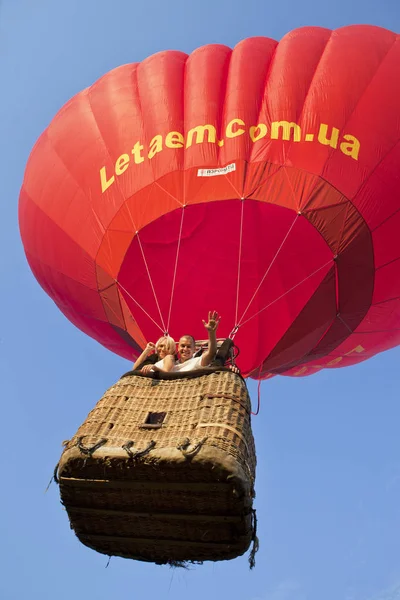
{"x":163,"y":469}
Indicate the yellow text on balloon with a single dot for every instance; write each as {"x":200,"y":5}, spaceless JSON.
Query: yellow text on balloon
{"x":236,"y":128}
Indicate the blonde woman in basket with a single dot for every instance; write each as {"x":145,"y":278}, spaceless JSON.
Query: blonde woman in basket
{"x":165,"y":356}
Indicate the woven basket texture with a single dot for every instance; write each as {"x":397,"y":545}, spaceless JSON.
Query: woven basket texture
{"x":164,"y":471}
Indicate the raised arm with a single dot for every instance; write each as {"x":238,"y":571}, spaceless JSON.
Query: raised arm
{"x":211,"y":326}
{"x":148,"y":350}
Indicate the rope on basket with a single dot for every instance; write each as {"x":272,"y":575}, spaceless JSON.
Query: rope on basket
{"x":254,"y":539}
{"x":53,"y":478}
{"x":127,"y":447}
{"x":191,"y":453}
{"x":88,"y":451}
{"x":84,"y":450}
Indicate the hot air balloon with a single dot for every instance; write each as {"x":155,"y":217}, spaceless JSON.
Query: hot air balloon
{"x":262,"y":180}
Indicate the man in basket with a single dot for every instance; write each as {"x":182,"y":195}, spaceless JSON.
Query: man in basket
{"x":187,"y":347}
{"x":186,"y":360}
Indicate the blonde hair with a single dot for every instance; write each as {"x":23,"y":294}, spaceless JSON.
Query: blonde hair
{"x":169,"y":343}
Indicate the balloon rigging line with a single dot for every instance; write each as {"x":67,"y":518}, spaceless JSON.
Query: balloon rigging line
{"x":375,"y":331}
{"x":288,"y":178}
{"x":344,"y":322}
{"x":337,"y":299}
{"x":263,"y":181}
{"x":385,"y":301}
{"x":151,"y":283}
{"x":340,"y":236}
{"x":239,"y":260}
{"x":239,"y":195}
{"x":169,"y":194}
{"x":139,"y":305}
{"x":175,"y":269}
{"x":287,"y":292}
{"x":108,"y":304}
{"x":267,"y":271}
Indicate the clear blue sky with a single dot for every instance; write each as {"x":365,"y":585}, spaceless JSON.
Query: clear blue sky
{"x":328,"y":480}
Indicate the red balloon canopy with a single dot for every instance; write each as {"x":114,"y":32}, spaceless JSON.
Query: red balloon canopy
{"x":262,"y":182}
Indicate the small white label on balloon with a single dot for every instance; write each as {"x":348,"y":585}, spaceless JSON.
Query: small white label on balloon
{"x":214,"y":172}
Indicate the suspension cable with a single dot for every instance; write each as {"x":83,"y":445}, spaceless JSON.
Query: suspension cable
{"x":339,"y":316}
{"x":140,"y":306}
{"x":163,"y":328}
{"x":268,"y":270}
{"x":239,"y":260}
{"x":287,"y":292}
{"x":175,"y":268}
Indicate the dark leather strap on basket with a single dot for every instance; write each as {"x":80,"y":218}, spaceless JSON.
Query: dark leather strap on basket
{"x":127,"y":447}
{"x":88,"y":451}
{"x":254,"y":539}
{"x":190,"y":453}
{"x":55,"y":475}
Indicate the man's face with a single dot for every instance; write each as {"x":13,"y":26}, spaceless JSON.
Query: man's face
{"x":186,"y":348}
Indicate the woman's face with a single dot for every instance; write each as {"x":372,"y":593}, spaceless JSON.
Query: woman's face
{"x":162,"y":349}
